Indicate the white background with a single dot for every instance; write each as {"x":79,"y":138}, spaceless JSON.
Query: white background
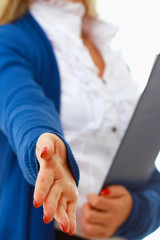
{"x":138,"y":38}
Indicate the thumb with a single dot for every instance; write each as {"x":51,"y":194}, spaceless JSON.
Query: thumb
{"x":114,"y":191}
{"x":49,"y":145}
{"x":46,"y":146}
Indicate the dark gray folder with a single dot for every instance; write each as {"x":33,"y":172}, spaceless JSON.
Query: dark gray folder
{"x":134,"y":161}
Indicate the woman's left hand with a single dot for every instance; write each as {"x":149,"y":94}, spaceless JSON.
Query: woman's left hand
{"x":103,"y":214}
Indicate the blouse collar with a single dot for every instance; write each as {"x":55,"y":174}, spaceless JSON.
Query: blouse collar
{"x":71,"y":17}
{"x":64,"y":14}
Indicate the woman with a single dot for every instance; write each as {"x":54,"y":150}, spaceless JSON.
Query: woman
{"x":97,"y":99}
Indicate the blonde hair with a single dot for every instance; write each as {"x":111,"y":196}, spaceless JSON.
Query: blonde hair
{"x":11,"y":10}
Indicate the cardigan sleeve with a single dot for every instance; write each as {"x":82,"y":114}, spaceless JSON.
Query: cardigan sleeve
{"x":145,"y":216}
{"x":25,"y":111}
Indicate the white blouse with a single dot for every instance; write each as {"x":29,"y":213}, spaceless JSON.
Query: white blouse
{"x":94,"y":112}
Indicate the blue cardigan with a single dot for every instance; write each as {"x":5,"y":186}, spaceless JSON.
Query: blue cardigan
{"x":29,"y":106}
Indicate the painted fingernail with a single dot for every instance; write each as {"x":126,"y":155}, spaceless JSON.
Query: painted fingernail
{"x":35,"y":204}
{"x":45,"y":220}
{"x":105,"y":191}
{"x":62,"y":227}
{"x":44,"y":151}
{"x":70,"y":233}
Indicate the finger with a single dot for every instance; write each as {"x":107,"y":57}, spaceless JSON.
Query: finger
{"x":114,"y":191}
{"x":72,"y":195}
{"x":51,"y":203}
{"x":71,"y":210}
{"x":43,"y":184}
{"x":96,"y":231}
{"x":45,"y":147}
{"x":100,"y":203}
{"x":53,"y":144}
{"x":61,"y":215}
{"x":91,"y":215}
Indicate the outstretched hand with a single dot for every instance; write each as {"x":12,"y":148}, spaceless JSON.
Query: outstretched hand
{"x":55,"y":187}
{"x":103,"y":214}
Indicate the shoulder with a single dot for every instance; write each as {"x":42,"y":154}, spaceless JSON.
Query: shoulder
{"x":21,"y":34}
{"x":8,"y":36}
{"x":14,"y":30}
{"x":23,"y":40}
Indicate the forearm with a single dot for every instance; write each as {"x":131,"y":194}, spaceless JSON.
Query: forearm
{"x":26,"y":112}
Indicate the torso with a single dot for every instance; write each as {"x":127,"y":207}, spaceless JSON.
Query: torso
{"x":90,"y":108}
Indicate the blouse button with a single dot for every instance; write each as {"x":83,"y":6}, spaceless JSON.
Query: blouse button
{"x":103,"y":81}
{"x":114,"y":129}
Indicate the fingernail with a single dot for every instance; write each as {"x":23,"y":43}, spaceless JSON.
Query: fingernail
{"x":45,"y":220}
{"x":62,"y":227}
{"x":43,"y":152}
{"x":105,"y":191}
{"x":35,"y":204}
{"x":70,"y":233}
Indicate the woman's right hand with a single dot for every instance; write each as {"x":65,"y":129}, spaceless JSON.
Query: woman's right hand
{"x":55,"y":187}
